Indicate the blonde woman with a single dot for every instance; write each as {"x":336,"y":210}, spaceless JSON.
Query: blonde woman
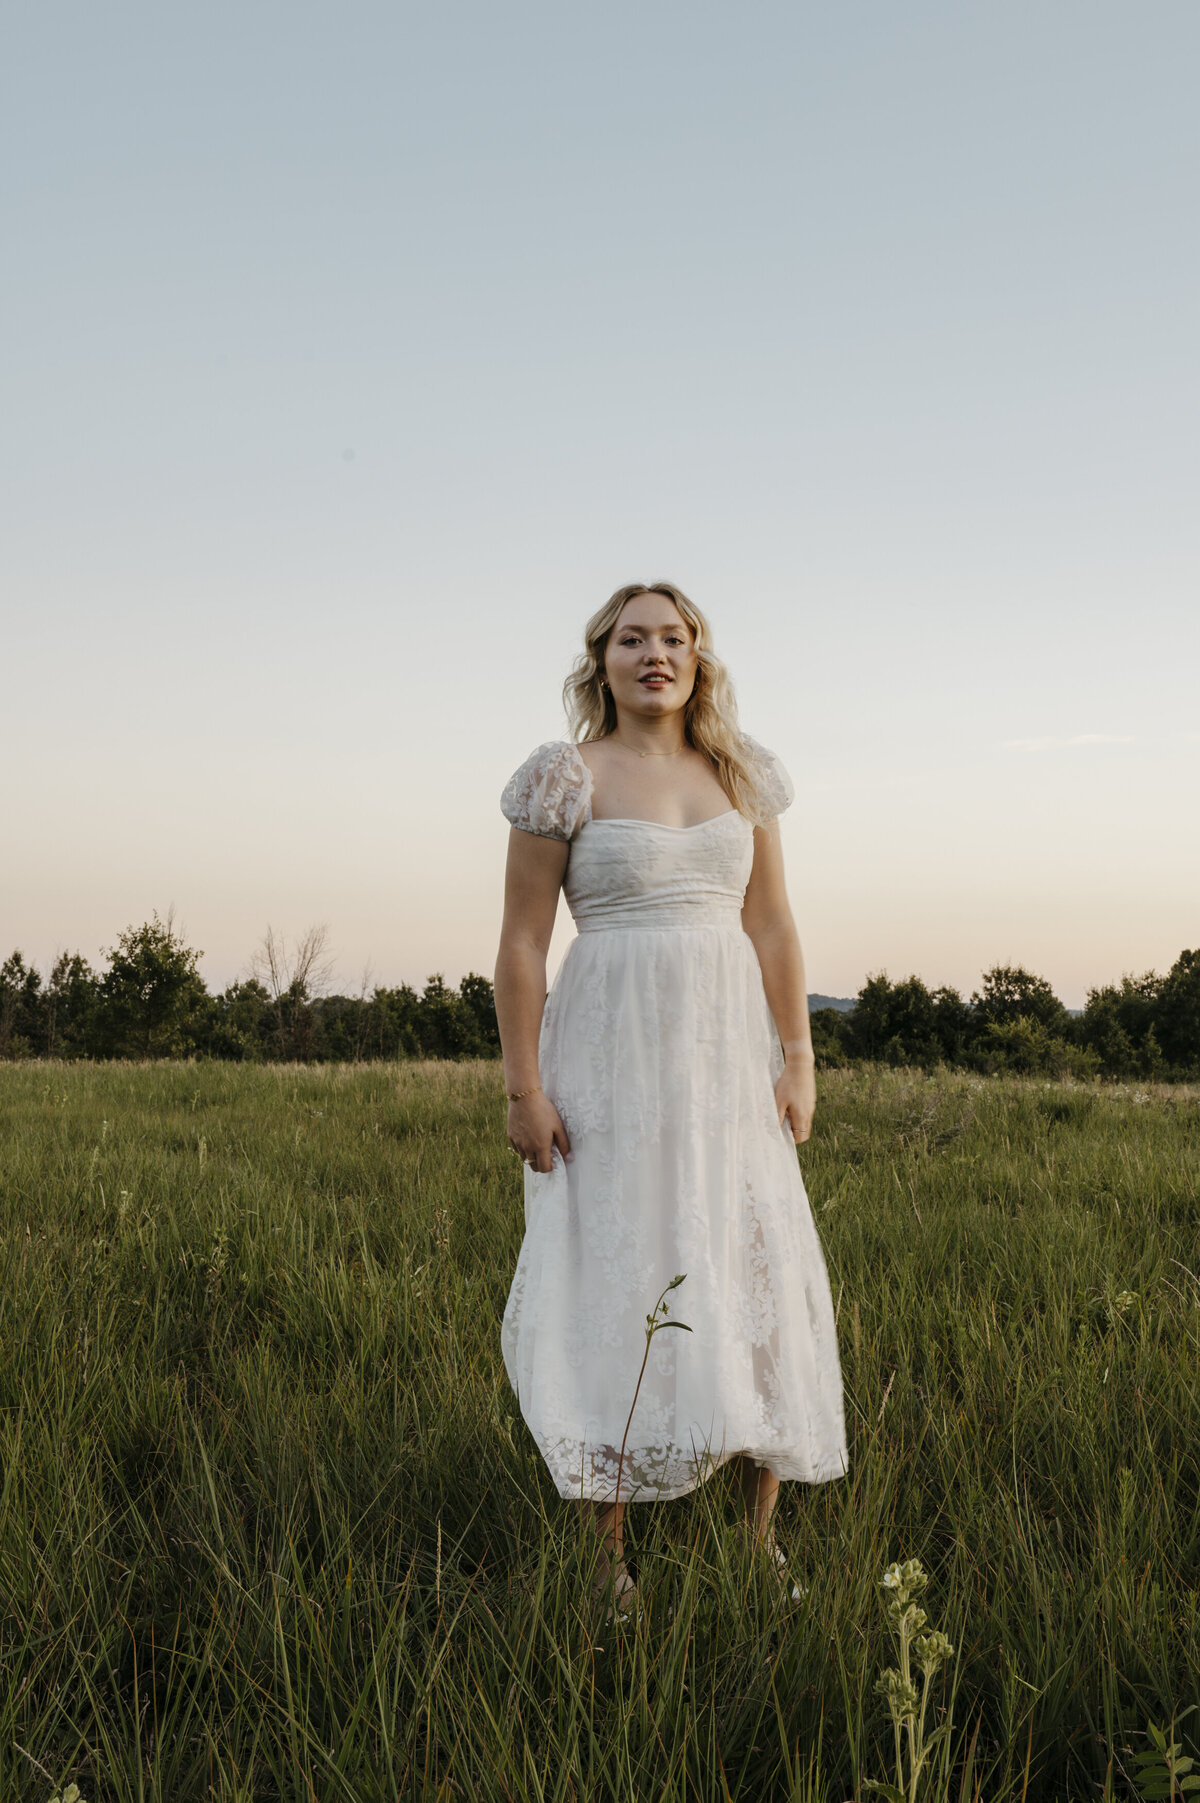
{"x":658,"y":1093}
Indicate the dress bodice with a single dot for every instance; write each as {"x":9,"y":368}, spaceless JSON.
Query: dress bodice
{"x":637,"y":873}
{"x":641,"y":873}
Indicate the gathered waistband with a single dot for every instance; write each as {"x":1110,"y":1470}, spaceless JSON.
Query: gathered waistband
{"x":662,"y":919}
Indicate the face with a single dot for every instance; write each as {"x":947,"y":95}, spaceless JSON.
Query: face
{"x":650,"y":659}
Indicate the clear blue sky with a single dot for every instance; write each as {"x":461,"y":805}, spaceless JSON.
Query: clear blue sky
{"x":353,"y":355}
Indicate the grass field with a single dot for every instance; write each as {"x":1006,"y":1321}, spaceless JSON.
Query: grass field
{"x":271,"y":1525}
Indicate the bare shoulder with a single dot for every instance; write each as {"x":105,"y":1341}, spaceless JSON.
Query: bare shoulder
{"x":596,"y":754}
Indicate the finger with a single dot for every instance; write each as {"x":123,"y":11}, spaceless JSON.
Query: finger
{"x":561,"y":1140}
{"x":543,"y":1159}
{"x":798,"y":1129}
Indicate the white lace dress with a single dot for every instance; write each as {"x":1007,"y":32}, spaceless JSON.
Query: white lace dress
{"x":658,"y":1050}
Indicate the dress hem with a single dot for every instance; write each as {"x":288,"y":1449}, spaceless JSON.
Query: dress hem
{"x":826,"y":1473}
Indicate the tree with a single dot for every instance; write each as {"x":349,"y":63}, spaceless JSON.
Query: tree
{"x":830,"y":1031}
{"x":476,"y":992}
{"x":72,"y":1000}
{"x":21,"y":1016}
{"x":1118,"y":1024}
{"x":1177,"y":1015}
{"x":362,"y":1011}
{"x":1011,"y":993}
{"x":1027,"y":1045}
{"x":904,"y":1023}
{"x":868,"y":1029}
{"x":392,"y":1024}
{"x":952,"y":1019}
{"x":447,"y":1027}
{"x":911,"y":1024}
{"x":237,"y":1024}
{"x":149,"y":991}
{"x":293,"y":977}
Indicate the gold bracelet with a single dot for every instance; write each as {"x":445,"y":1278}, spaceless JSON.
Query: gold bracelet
{"x":515,"y":1096}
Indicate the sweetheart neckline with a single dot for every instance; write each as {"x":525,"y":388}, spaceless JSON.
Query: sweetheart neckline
{"x":632,"y":820}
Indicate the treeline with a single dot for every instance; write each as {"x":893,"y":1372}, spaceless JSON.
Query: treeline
{"x":1147,"y":1026}
{"x":151,"y":1002}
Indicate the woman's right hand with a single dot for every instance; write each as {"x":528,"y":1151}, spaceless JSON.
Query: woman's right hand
{"x":535,"y":1128}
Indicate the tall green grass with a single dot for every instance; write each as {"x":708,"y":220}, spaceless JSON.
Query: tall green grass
{"x":271,"y":1525}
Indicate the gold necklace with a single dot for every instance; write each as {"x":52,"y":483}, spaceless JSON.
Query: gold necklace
{"x":650,"y":754}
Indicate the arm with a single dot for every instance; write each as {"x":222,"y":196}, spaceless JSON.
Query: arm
{"x":767,"y":920}
{"x":532,"y":881}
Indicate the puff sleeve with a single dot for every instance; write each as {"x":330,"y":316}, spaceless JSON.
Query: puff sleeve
{"x":551,"y":793}
{"x":774,"y":784}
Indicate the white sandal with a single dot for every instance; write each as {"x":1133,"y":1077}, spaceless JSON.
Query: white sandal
{"x":779,"y":1558}
{"x":626,"y":1609}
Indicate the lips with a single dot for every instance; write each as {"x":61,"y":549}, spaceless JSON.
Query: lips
{"x":657,"y":679}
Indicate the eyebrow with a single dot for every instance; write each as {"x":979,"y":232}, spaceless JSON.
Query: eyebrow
{"x":632,"y":626}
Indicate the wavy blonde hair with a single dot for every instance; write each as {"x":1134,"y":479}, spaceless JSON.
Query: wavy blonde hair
{"x":710,"y":720}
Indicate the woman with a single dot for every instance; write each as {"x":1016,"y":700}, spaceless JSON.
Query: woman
{"x":653,"y":1101}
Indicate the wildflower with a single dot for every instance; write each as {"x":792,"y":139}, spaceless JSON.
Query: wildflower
{"x":932,"y":1651}
{"x":904,"y":1580}
{"x":906,"y":1703}
{"x":900,"y":1695}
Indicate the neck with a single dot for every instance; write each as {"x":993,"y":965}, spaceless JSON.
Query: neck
{"x":662,"y":735}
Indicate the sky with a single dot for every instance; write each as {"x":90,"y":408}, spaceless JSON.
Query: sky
{"x":353,"y":356}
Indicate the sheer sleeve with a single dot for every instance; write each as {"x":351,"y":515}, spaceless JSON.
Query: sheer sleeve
{"x":774,"y":784}
{"x":551,"y":793}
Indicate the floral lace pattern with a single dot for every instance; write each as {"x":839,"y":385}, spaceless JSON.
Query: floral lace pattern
{"x":775,"y":785}
{"x":658,"y":1049}
{"x":551,"y":793}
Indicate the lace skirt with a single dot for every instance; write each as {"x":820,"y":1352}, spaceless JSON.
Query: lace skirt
{"x":658,"y":1050}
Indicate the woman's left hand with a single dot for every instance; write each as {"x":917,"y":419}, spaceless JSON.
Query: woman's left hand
{"x":796,"y":1097}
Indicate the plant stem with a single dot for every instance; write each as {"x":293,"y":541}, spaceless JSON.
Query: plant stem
{"x":919,"y":1757}
{"x":652,"y":1326}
